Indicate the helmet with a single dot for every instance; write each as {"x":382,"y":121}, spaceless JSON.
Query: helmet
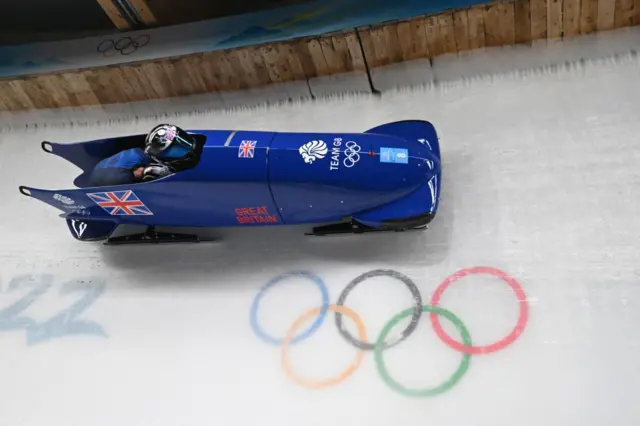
{"x":167,"y":140}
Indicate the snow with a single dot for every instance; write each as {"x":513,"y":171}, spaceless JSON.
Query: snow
{"x":540,"y":182}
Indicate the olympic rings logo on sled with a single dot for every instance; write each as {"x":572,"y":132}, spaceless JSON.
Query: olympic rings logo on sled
{"x":126,"y":45}
{"x":351,"y":154}
{"x":466,"y":348}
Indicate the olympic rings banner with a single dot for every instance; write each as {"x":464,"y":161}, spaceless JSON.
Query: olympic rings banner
{"x":308,"y":19}
{"x":466,"y":348}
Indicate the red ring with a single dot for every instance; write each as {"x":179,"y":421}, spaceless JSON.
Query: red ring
{"x":501,"y":344}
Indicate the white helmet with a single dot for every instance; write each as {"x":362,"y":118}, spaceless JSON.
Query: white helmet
{"x":160,"y":138}
{"x":163,"y":136}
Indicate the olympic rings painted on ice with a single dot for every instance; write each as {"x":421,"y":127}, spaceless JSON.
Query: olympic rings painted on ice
{"x":362,"y":332}
{"x":455,"y":377}
{"x":314,"y":326}
{"x":381,"y":345}
{"x":417,"y":297}
{"x":125,"y":45}
{"x":501,"y":344}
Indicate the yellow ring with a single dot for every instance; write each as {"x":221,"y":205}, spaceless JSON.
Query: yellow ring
{"x":316,"y":384}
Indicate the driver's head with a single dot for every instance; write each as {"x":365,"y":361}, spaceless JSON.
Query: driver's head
{"x":167,"y":140}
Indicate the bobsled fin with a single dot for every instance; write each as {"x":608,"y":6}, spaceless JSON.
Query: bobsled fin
{"x":82,"y":228}
{"x":56,"y":200}
{"x":78,"y":154}
{"x":85,"y":155}
{"x":67,"y":200}
{"x":47,"y":147}
{"x":90,"y":230}
{"x":411,"y":130}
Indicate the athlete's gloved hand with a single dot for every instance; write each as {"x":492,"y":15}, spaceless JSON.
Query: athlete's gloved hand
{"x":155,"y":171}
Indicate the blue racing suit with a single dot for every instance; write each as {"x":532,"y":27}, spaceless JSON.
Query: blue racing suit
{"x":118,"y":169}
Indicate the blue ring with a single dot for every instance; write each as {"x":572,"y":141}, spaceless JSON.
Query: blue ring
{"x":317,"y":323}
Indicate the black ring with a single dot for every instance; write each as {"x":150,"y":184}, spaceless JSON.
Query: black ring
{"x":102,"y":47}
{"x":417,"y":297}
{"x":125,"y":45}
{"x":128,"y":42}
{"x":142,"y":43}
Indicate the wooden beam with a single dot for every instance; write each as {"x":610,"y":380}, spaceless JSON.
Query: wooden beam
{"x":539,"y":27}
{"x":114,"y":14}
{"x":145,"y":12}
{"x":522,"y":21}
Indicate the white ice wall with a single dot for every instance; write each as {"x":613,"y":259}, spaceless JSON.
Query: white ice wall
{"x":540,"y":181}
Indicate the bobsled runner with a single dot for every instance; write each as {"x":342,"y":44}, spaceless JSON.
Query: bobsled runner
{"x":385,"y":179}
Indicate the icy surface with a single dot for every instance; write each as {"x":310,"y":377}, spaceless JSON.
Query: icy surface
{"x":541,"y":181}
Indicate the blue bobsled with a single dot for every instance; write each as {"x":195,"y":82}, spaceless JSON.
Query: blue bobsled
{"x":387,"y":178}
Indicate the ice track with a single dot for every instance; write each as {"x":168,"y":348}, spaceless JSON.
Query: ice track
{"x":540,"y":195}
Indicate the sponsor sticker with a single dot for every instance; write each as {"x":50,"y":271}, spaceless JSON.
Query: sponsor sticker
{"x":342,"y":154}
{"x":257,"y":214}
{"x":351,"y":153}
{"x":314,"y":150}
{"x":68,"y":203}
{"x":78,"y":227}
{"x":63,"y":199}
{"x":394,"y":155}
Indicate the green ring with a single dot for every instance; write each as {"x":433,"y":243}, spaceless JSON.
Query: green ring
{"x":449,"y":383}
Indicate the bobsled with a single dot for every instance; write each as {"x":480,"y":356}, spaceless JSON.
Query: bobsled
{"x":387,"y":178}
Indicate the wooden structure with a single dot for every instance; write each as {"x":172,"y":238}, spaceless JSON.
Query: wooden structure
{"x":120,"y":21}
{"x":496,"y":24}
{"x":151,"y":13}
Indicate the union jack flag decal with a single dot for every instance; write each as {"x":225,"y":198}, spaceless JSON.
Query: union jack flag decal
{"x":247,"y":149}
{"x":171,"y":134}
{"x":120,"y":203}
